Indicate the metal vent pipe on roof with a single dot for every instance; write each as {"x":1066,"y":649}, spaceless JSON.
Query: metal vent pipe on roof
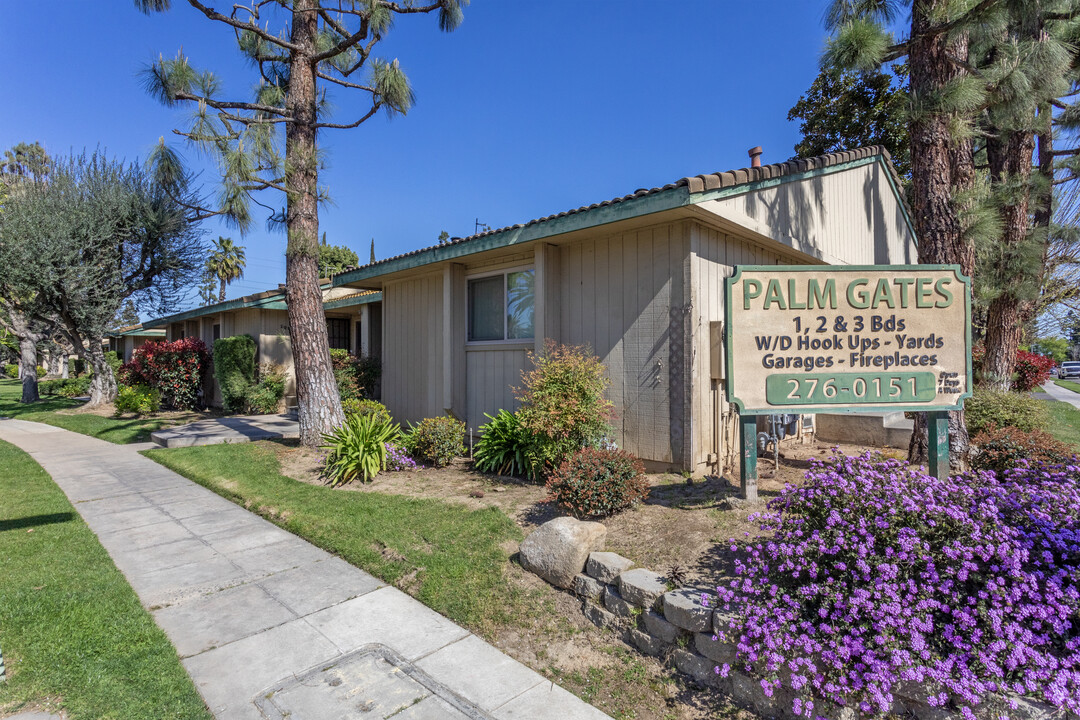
{"x":755,"y":156}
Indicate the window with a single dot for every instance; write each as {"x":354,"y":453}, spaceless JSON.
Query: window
{"x":217,"y":331}
{"x":501,"y":306}
{"x":338,"y":331}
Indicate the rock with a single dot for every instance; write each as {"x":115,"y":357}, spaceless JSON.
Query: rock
{"x":616,"y":604}
{"x":697,"y":667}
{"x":598,"y":616}
{"x":660,"y":628}
{"x":722,"y":622}
{"x":642,"y":587}
{"x":742,"y":688}
{"x":606,"y":566}
{"x":587,"y":587}
{"x":557,"y":550}
{"x":716,"y":650}
{"x":646,"y":643}
{"x":683,"y":607}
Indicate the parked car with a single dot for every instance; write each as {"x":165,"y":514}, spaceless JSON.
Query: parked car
{"x":1069,"y":370}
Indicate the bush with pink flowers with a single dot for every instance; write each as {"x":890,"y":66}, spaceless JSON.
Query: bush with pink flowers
{"x":873,"y":576}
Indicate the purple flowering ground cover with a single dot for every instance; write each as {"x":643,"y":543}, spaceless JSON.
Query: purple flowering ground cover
{"x":875,"y":577}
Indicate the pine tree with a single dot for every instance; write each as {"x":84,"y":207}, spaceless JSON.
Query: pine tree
{"x":981,"y":75}
{"x":320,"y":44}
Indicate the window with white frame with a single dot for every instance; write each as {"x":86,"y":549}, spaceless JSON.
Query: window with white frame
{"x":501,"y":306}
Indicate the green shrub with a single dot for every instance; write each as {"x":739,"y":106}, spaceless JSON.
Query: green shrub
{"x":598,"y":483}
{"x":234,"y":368}
{"x":436,"y":440}
{"x":113,"y":360}
{"x":353,"y":406}
{"x":138,"y":399}
{"x":358,"y":449}
{"x":355,"y":376}
{"x":76,"y":366}
{"x":504,"y":447}
{"x":1001,"y":449}
{"x":69,"y":388}
{"x":41,"y":372}
{"x":264,"y":397}
{"x":562,"y":402}
{"x":1004,"y":409}
{"x":11,"y":370}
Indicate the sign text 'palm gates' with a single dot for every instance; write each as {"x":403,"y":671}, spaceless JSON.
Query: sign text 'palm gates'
{"x":881,"y":338}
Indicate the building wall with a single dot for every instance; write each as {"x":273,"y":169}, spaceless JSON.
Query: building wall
{"x":844,"y":218}
{"x":412,"y":377}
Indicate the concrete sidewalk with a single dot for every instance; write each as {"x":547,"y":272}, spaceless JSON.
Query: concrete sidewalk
{"x":229,"y":429}
{"x":268,"y":625}
{"x":1061,"y":394}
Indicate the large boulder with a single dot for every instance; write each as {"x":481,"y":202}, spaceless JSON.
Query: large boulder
{"x":558,"y":549}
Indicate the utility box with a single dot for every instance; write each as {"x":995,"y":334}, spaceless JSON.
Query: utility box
{"x":716,"y":350}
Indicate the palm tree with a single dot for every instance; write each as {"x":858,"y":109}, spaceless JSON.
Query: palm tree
{"x":227,"y":263}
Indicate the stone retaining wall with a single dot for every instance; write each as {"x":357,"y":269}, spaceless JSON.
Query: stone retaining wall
{"x":676,"y":626}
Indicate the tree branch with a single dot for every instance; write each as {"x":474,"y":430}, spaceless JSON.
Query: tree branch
{"x":213,"y":14}
{"x":218,"y":105}
{"x":343,"y":83}
{"x":374,"y":109}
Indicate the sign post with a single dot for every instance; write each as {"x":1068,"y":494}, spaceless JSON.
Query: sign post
{"x":878,"y":338}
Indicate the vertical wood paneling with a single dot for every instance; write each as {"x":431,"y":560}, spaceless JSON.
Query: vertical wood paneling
{"x":413,"y":337}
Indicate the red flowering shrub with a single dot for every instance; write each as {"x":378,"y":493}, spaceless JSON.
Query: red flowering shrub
{"x":174,"y":368}
{"x":1031,"y":370}
{"x":598,"y":483}
{"x":1001,"y":449}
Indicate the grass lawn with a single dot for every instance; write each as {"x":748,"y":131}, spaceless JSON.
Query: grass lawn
{"x":1064,"y":422}
{"x":449,"y":557}
{"x":1068,"y":385}
{"x":72,"y":630}
{"x":116,"y":430}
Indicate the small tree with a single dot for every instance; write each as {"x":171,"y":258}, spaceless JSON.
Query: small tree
{"x":335,"y":258}
{"x":97,"y":233}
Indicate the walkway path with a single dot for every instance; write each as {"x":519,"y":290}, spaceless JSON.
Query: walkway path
{"x":268,"y":625}
{"x":1060,"y":393}
{"x":230,"y":429}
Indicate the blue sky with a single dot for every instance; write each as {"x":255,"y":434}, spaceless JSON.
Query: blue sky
{"x":528,"y":109}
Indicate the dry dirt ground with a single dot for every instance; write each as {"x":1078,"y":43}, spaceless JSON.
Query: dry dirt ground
{"x":684,"y":527}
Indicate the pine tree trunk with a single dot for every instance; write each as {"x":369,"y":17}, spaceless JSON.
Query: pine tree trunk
{"x":103,"y":387}
{"x":316,"y":390}
{"x":28,"y":368}
{"x":940,"y":165}
{"x":1010,"y":158}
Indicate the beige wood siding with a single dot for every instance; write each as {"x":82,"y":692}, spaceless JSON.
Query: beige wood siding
{"x":843,"y":218}
{"x":715,"y":253}
{"x":622,"y":295}
{"x":490,"y":375}
{"x":413,"y":348}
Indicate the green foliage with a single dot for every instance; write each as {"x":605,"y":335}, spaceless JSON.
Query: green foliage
{"x":989,"y":407}
{"x":113,"y":360}
{"x":357,"y":449}
{"x":352,"y":406}
{"x":858,"y":44}
{"x":11,"y":370}
{"x":1056,"y":348}
{"x":355,"y":376}
{"x":844,"y":109}
{"x":504,"y":447}
{"x":264,"y":397}
{"x":1001,"y":449}
{"x":234,"y":368}
{"x":76,"y":366}
{"x":68,"y":388}
{"x":41,"y":371}
{"x":563,"y":406}
{"x":436,"y":440}
{"x":335,"y":258}
{"x":598,"y":483}
{"x":137,"y":399}
{"x":225,"y":264}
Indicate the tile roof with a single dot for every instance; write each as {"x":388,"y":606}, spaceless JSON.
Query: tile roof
{"x":694,"y":185}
